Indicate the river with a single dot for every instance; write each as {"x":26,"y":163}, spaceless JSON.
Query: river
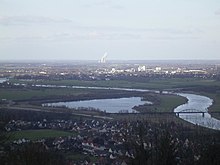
{"x":195,"y":103}
{"x":123,"y":105}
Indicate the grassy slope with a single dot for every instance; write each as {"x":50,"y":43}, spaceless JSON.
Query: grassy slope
{"x":37,"y":134}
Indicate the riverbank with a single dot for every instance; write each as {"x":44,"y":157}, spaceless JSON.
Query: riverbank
{"x":155,"y":84}
{"x":161,"y":103}
{"x":215,"y":107}
{"x":103,"y":94}
{"x":196,"y":111}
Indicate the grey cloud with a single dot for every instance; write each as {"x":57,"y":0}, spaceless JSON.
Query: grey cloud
{"x":122,"y":33}
{"x":78,"y":32}
{"x":172,"y":31}
{"x":217,"y":12}
{"x":24,"y":20}
{"x":173,"y":38}
{"x":110,"y":33}
{"x":104,"y":3}
{"x":93,"y":35}
{"x":117,"y":7}
{"x":68,"y":37}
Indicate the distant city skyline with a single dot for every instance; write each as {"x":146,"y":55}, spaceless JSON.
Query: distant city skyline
{"x":127,"y":30}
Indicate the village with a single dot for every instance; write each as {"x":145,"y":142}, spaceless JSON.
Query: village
{"x":113,"y":141}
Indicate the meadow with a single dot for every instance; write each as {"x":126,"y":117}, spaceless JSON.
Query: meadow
{"x":206,"y":87}
{"x":160,"y":83}
{"x":33,"y":93}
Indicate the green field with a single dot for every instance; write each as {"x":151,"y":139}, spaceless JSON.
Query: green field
{"x":169,"y":102}
{"x":22,"y":94}
{"x":38,"y":134}
{"x":149,"y":84}
{"x":216,"y":103}
{"x":165,"y":103}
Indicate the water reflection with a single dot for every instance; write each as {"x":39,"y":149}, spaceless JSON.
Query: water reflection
{"x":196,"y":102}
{"x":108,"y":105}
{"x":200,"y":104}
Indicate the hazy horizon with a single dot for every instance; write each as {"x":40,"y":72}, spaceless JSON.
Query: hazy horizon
{"x":127,"y":30}
{"x":63,"y":61}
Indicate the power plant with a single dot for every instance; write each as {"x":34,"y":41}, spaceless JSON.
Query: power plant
{"x":103,"y":59}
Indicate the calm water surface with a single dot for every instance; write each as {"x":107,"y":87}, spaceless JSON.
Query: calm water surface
{"x":200,"y":104}
{"x":108,"y":105}
{"x":195,"y":102}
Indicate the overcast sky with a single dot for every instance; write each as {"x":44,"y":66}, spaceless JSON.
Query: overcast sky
{"x":126,"y":29}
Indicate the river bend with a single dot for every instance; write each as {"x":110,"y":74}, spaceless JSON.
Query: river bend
{"x":195,"y":102}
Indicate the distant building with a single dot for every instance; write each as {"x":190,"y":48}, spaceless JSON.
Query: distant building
{"x":158,"y":69}
{"x":141,"y":68}
{"x":113,"y":70}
